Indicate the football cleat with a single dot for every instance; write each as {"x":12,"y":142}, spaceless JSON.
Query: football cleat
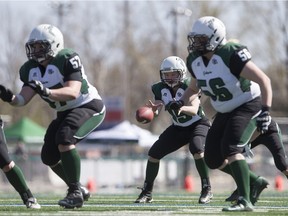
{"x":32,"y":203}
{"x":85,"y":192}
{"x":256,"y":189}
{"x":74,"y":198}
{"x":233,"y":197}
{"x":205,"y":196}
{"x":144,"y":197}
{"x":241,"y":205}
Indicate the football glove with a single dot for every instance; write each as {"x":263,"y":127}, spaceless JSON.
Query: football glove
{"x":6,"y":94}
{"x":40,"y":89}
{"x":174,"y":105}
{"x":263,"y":120}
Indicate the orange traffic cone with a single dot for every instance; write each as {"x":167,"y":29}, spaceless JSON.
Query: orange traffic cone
{"x":188,"y":183}
{"x":91,"y":185}
{"x":279,"y":183}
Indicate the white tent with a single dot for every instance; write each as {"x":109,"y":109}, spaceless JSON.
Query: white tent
{"x":123,"y":132}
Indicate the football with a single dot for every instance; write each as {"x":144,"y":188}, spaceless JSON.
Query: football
{"x":144,"y":114}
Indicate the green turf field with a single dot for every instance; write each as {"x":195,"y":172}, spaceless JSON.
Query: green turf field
{"x":182,"y":203}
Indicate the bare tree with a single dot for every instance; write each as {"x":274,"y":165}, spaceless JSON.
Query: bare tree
{"x":122,"y":45}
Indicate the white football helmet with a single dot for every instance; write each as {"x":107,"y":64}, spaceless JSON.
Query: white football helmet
{"x":172,"y":64}
{"x":207,"y":34}
{"x":49,"y":37}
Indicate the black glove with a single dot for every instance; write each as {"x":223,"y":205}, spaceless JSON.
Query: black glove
{"x":5,"y":94}
{"x":39,"y":88}
{"x":263,"y":120}
{"x":174,"y":105}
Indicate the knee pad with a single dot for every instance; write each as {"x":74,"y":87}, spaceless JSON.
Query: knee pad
{"x":49,"y":156}
{"x":197,"y":145}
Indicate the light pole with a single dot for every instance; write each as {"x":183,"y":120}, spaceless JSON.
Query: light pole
{"x":175,"y":12}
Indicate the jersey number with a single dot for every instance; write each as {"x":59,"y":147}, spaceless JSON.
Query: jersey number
{"x":218,"y":91}
{"x":244,"y":54}
{"x":182,"y":118}
{"x":75,"y":61}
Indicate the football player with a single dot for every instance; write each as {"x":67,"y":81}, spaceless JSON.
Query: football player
{"x":241,"y":94}
{"x":189,"y":125}
{"x":14,"y":173}
{"x":273,"y":142}
{"x":57,"y":75}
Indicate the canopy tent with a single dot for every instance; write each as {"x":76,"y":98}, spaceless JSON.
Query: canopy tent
{"x":25,"y":130}
{"x":124,"y":132}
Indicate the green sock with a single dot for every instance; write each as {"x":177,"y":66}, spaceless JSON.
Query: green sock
{"x":252,"y":175}
{"x":71,"y":165}
{"x":202,"y":168}
{"x":227,"y":169}
{"x":240,"y":173}
{"x":59,"y":170}
{"x":151,"y":174}
{"x":17,"y":179}
{"x":203,"y":172}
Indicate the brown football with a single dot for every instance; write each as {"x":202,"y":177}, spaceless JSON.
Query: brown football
{"x":144,"y":114}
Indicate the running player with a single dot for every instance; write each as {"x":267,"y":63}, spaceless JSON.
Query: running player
{"x":57,"y":75}
{"x":14,"y":173}
{"x":241,"y":94}
{"x":273,"y":142}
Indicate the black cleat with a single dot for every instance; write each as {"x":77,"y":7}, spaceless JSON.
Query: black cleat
{"x":256,"y":189}
{"x":233,"y":197}
{"x":205,"y":196}
{"x":144,"y":197}
{"x":74,"y":198}
{"x":85,"y":192}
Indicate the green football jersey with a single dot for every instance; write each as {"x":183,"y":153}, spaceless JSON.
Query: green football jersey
{"x":220,"y":77}
{"x":55,"y":74}
{"x":164,"y":93}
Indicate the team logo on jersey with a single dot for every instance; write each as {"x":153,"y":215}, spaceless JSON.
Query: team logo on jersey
{"x":34,"y":74}
{"x":207,"y":72}
{"x":214,"y":61}
{"x":50,"y":71}
{"x":179,"y":94}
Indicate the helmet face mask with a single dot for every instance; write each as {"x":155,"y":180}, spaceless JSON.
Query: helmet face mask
{"x":38,"y":50}
{"x":198,"y":43}
{"x":45,"y":41}
{"x":172,"y":71}
{"x":172,"y":78}
{"x":207,"y":34}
